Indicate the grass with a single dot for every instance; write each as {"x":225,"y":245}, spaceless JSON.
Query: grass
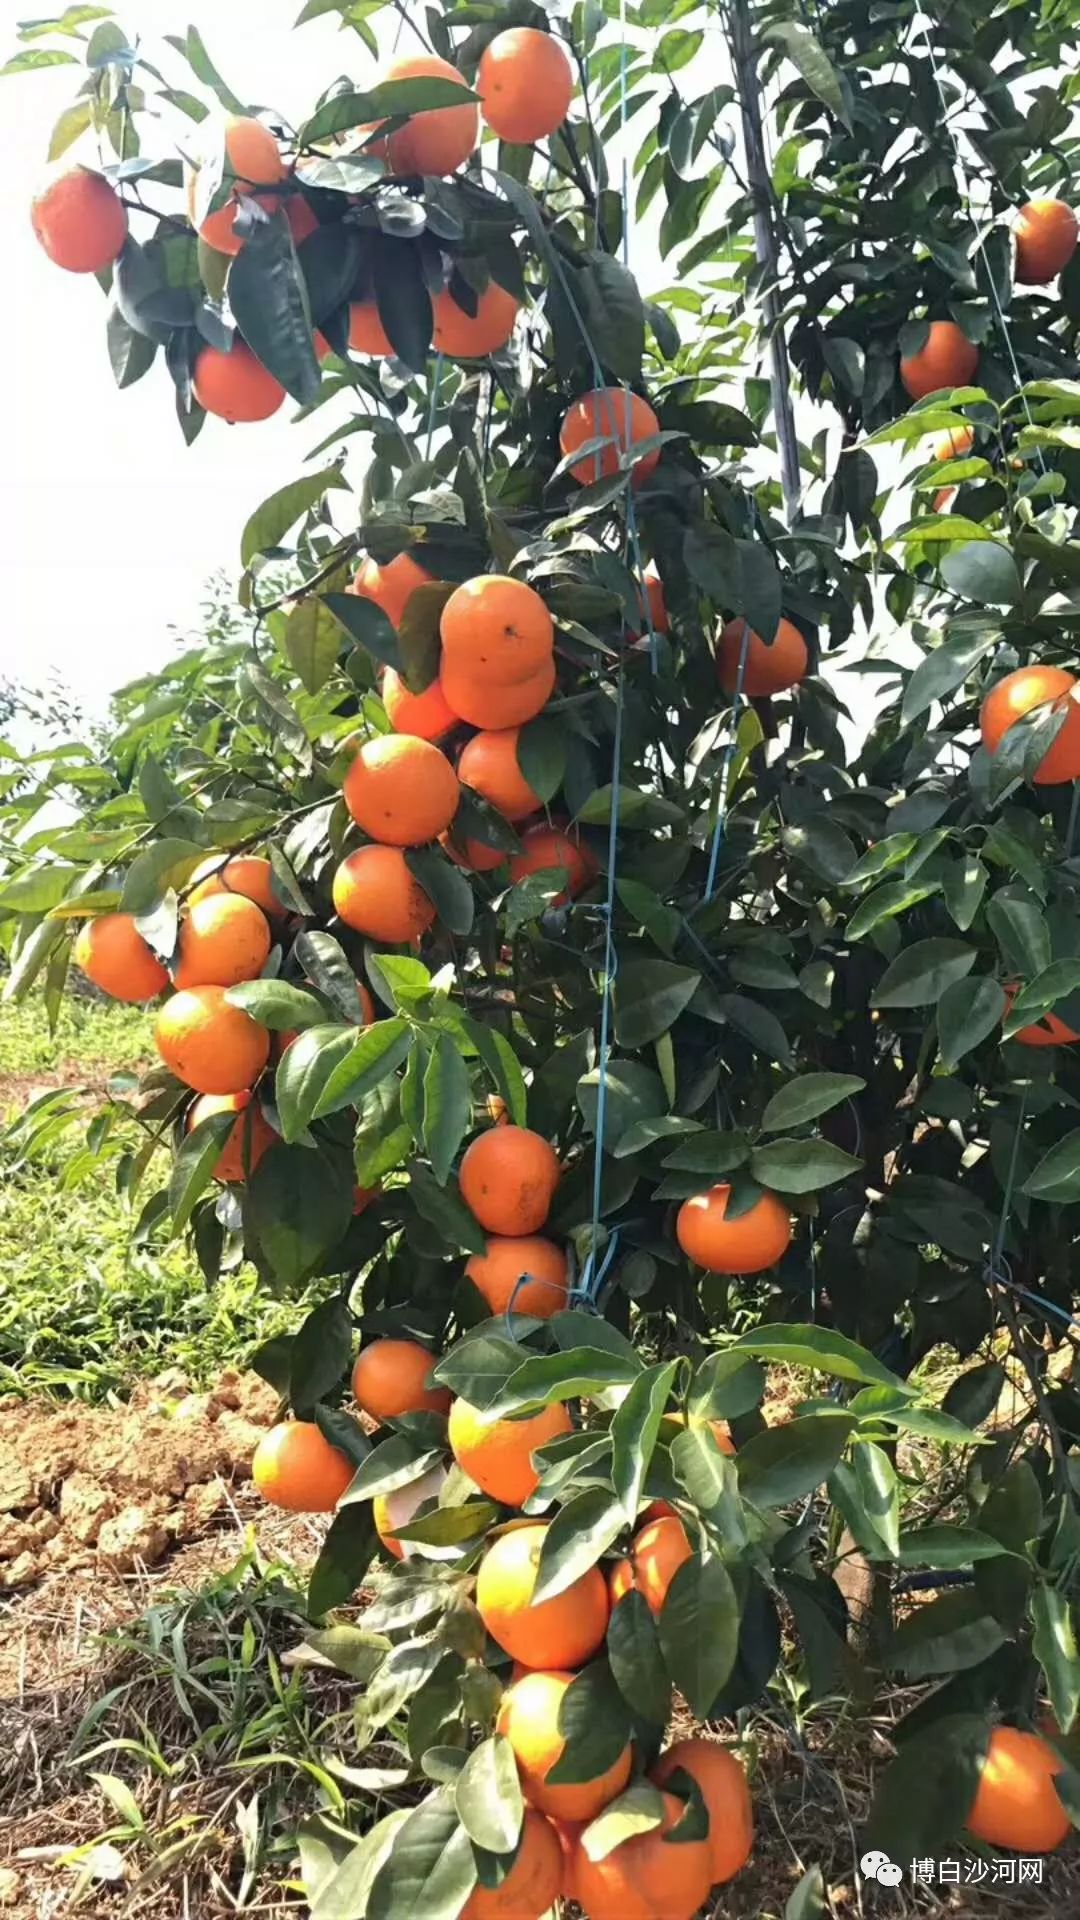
{"x":90,"y":1303}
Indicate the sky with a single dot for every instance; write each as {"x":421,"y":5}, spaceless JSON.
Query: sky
{"x":110,"y":524}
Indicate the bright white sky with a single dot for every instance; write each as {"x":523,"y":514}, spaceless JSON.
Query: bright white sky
{"x":110,"y":524}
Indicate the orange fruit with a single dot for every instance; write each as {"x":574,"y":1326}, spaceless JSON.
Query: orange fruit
{"x":235,"y":385}
{"x":295,"y":1467}
{"x":525,"y":83}
{"x":375,"y":893}
{"x":1049,"y":1031}
{"x":562,"y":1632}
{"x":749,"y":1244}
{"x":497,"y":1454}
{"x":948,"y":359}
{"x":769,"y":669}
{"x":497,"y":629}
{"x":113,"y":954}
{"x":646,"y":1876}
{"x":303,"y":222}
{"x":474,"y":857}
{"x":508,"y":1178}
{"x":246,"y":1136}
{"x":396,"y":1509}
{"x":953,"y":443}
{"x":654,"y":594}
{"x":391,"y":1378}
{"x":223,"y":939}
{"x":426,"y":714}
{"x":209,"y":1044}
{"x":533,"y":1882}
{"x":618,"y":417}
{"x":658,"y":1551}
{"x":726,"y":1796}
{"x":366,"y":331}
{"x":253,"y":158}
{"x":1046,"y":234}
{"x":439,"y":141}
{"x":80,"y":221}
{"x":485,"y":703}
{"x":489,"y":765}
{"x":392,"y":586}
{"x":943,"y":499}
{"x":469,"y":336}
{"x":497,"y":1271}
{"x":1019,"y":693}
{"x":529,"y":1717}
{"x":247,"y":874}
{"x":401,"y":790}
{"x":1016,"y":1805}
{"x":544,"y":847}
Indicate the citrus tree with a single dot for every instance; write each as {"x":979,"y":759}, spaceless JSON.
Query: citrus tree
{"x":552,"y":979}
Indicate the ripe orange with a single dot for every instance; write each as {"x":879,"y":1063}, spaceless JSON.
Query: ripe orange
{"x":1016,"y":1805}
{"x":436,"y":142}
{"x":253,"y":157}
{"x":251,"y":1136}
{"x":375,"y":893}
{"x":223,"y":939}
{"x":497,"y":1454}
{"x":208,"y":1044}
{"x":726,"y":1796}
{"x":247,"y":874}
{"x":658,"y":1551}
{"x":475,"y":857}
{"x":1046,"y":234}
{"x":497,"y":629}
{"x":1018,"y":693}
{"x":769,"y":669}
{"x":1049,"y":1031}
{"x":469,"y":336}
{"x":544,"y":847}
{"x":654,"y":594}
{"x":508,"y":1178}
{"x":113,"y":954}
{"x":948,"y":359}
{"x":484,"y":703}
{"x":645,"y":1876}
{"x":391,"y":1378}
{"x":533,"y":1882}
{"x":525,"y":83}
{"x":235,"y":385}
{"x":561,"y":1632}
{"x":396,"y":1509}
{"x":953,"y":443}
{"x":943,"y":499}
{"x":392,"y":586}
{"x":489,"y":765}
{"x":401,"y":790}
{"x":529,"y":1717}
{"x":426,"y":714}
{"x":749,"y":1244}
{"x":618,"y":417}
{"x":295,"y":1467}
{"x":366,"y":331}
{"x":80,"y":221}
{"x":497,"y":1271}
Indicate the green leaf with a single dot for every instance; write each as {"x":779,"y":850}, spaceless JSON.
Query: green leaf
{"x":447,"y":889}
{"x":1054,"y":1646}
{"x":1057,"y":1176}
{"x":395,"y":1462}
{"x":487,"y":1795}
{"x":808,"y":1900}
{"x":194,"y":51}
{"x":277,"y":1005}
{"x":726,"y":1384}
{"x":504,"y":1067}
{"x":304,"y":1071}
{"x":391,"y":99}
{"x":595,"y":1725}
{"x":982,"y":571}
{"x":446,"y":1211}
{"x":633,"y":1649}
{"x":873,"y":1489}
{"x":798,"y":45}
{"x":948,"y":1635}
{"x":820,"y":1348}
{"x":38,"y":889}
{"x":801,"y":1166}
{"x":311,"y":641}
{"x":368,"y":625}
{"x":920,"y":974}
{"x":431,"y":1868}
{"x":967,"y":1012}
{"x":418,"y":633}
{"x":634,"y":1092}
{"x":806,"y":1098}
{"x":269,"y":300}
{"x":375,"y":1053}
{"x":564,"y":1376}
{"x":635,"y":1430}
{"x":270,"y":522}
{"x":580,"y":1533}
{"x":649,"y":997}
{"x":638,"y":1809}
{"x":787,"y":1462}
{"x":886,"y":903}
{"x":300,"y":1206}
{"x":320,"y":1357}
{"x":699,"y":1630}
{"x":945,"y":1546}
{"x":541,"y":754}
{"x":193,"y":1167}
{"x":708,"y":1474}
{"x":345,"y":1556}
{"x":615,"y":313}
{"x":924,"y":1797}
{"x":131,"y":354}
{"x":447,"y":1105}
{"x":945,"y":669}
{"x":1020,"y":930}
